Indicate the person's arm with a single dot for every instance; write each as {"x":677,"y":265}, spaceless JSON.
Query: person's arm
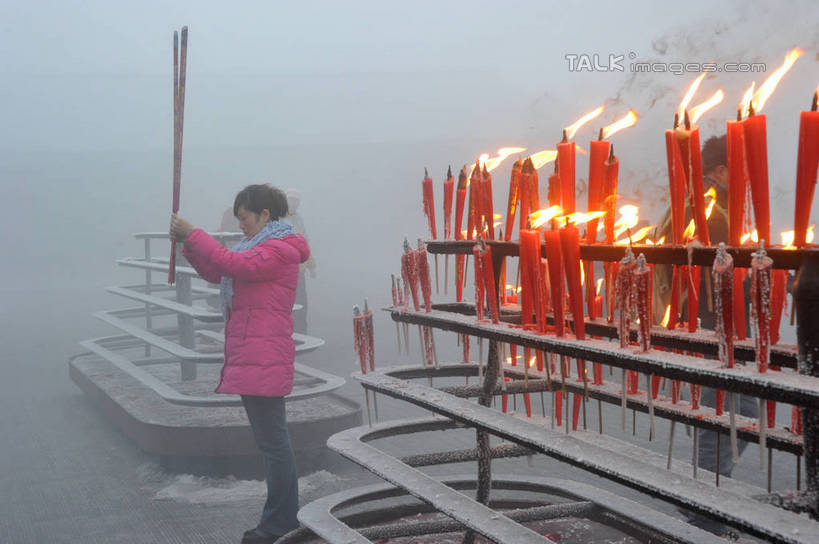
{"x":197,"y":260}
{"x":257,"y":263}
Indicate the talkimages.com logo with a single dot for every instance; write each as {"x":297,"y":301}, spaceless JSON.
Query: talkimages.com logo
{"x":594,"y":62}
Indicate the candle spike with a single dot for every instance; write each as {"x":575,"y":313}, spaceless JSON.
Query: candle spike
{"x":356,"y":311}
{"x":751,"y":110}
{"x":687,"y":120}
{"x":485,"y":172}
{"x":426,"y":174}
{"x":565,"y":136}
{"x":366,"y":306}
{"x":815,"y":101}
{"x":462,"y":179}
{"x":739,"y":114}
{"x":676,"y":120}
{"x":407,"y":248}
{"x":449,"y":172}
{"x":611,"y":152}
{"x":600,"y":134}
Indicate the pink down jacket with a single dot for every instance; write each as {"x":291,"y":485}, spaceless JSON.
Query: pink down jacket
{"x":259,"y":349}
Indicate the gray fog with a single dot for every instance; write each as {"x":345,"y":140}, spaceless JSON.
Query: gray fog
{"x":345,"y":102}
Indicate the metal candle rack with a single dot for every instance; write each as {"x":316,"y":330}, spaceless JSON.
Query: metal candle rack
{"x":732,"y":502}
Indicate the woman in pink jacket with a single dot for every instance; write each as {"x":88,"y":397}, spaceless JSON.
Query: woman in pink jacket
{"x":258,"y":279}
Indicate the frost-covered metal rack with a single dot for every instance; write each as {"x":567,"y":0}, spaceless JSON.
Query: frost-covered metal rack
{"x":155,"y":379}
{"x":742,"y":506}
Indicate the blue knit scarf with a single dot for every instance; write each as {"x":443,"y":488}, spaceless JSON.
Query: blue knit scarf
{"x":272,"y":230}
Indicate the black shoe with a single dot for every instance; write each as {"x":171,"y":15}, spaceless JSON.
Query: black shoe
{"x":252,"y":537}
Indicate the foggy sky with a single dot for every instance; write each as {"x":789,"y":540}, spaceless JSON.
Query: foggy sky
{"x":347,"y":102}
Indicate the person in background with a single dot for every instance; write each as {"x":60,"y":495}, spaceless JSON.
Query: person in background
{"x":258,"y":279}
{"x":714,"y":159}
{"x":300,"y":316}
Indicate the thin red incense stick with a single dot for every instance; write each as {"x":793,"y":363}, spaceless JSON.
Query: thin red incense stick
{"x":460,"y":198}
{"x":180,"y":62}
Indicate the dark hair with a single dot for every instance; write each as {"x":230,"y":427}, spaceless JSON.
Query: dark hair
{"x":255,"y":198}
{"x":714,"y":153}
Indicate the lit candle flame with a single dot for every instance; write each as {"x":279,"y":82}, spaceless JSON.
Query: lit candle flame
{"x":745,"y":103}
{"x":752,"y":236}
{"x":572,"y":129}
{"x":626,"y":121}
{"x":491,"y":163}
{"x":579,"y":218}
{"x":542,"y":216}
{"x":503,"y":152}
{"x":599,"y":285}
{"x":689,"y":94}
{"x":667,"y":316}
{"x":697,"y":111}
{"x":629,"y":217}
{"x":788,"y":237}
{"x":532,"y":361}
{"x":543,"y":157}
{"x":689,"y":230}
{"x":767,"y":88}
{"x":712,"y":193}
{"x":636,"y":237}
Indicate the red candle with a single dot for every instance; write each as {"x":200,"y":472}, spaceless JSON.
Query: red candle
{"x":796,"y":420}
{"x":422,"y":268}
{"x":612,"y":167}
{"x":688,"y":138}
{"x":779,"y":279}
{"x":460,"y":198}
{"x":570,"y":246}
{"x":676,"y":187}
{"x":429,"y":203}
{"x":534,"y":196}
{"x":524,"y":186}
{"x":512,"y":202}
{"x":473,"y":220}
{"x":598,"y":304}
{"x":737,"y":189}
{"x":530,"y":270}
{"x":553,"y":192}
{"x":488,"y":271}
{"x":488,"y":206}
{"x":554,"y":260}
{"x":598,"y":156}
{"x":409,"y":272}
{"x":737,"y":179}
{"x":761,"y":306}
{"x":449,"y":189}
{"x":641,"y":293}
{"x":565,"y":167}
{"x":756,"y":153}
{"x":360,"y":338}
{"x":692,"y":274}
{"x":807,"y":162}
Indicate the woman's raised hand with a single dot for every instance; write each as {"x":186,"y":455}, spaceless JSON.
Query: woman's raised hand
{"x":180,"y":228}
